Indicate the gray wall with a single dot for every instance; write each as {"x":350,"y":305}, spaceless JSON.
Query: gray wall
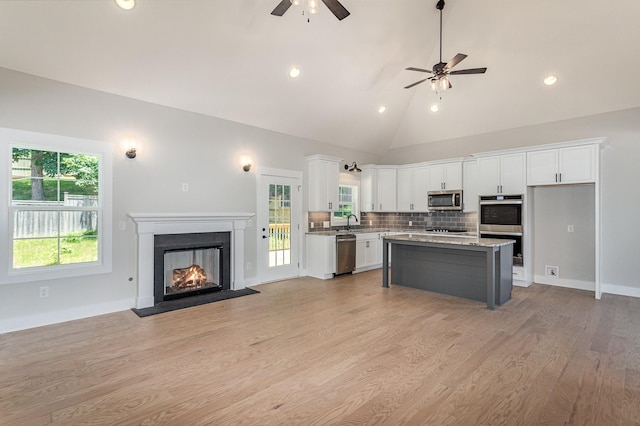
{"x":554,"y":209}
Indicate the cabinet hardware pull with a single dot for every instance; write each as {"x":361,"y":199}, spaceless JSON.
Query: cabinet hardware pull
{"x":560,"y":177}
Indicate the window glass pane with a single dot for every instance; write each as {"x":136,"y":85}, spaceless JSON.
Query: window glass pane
{"x":35,"y":252}
{"x":79,"y":249}
{"x":35,"y":224}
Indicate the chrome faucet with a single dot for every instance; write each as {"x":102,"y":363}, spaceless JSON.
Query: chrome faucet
{"x":349,"y":217}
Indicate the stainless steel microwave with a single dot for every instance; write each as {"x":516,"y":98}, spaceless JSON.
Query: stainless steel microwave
{"x":445,"y":200}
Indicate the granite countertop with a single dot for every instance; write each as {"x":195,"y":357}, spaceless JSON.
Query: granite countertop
{"x":331,"y":232}
{"x":456,"y":240}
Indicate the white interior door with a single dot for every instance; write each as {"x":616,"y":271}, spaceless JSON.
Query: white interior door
{"x":278,"y":223}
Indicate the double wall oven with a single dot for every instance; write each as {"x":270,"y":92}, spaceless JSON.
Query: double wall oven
{"x":501,"y":216}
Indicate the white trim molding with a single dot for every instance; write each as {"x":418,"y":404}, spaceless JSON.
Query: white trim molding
{"x":620,"y":290}
{"x":150,"y":224}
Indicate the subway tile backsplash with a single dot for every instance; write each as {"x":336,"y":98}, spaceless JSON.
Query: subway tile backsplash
{"x":400,"y":221}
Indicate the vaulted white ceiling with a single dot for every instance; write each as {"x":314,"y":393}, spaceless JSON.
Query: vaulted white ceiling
{"x":230,"y":59}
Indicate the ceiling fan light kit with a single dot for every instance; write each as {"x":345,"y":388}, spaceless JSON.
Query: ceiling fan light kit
{"x":312,"y":7}
{"x":441,"y":71}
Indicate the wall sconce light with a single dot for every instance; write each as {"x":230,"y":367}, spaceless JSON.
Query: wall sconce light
{"x":353,"y":168}
{"x":131,"y":148}
{"x":246,"y":163}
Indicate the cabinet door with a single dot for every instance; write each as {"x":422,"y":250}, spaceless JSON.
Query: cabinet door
{"x":387,"y":189}
{"x":453,"y":175}
{"x":332,"y":176}
{"x":361,"y":254}
{"x":489,"y":175}
{"x":323,"y":185}
{"x":436,"y":177}
{"x":420,"y":188}
{"x":512,"y":174}
{"x":542,"y":167}
{"x":368,"y":189}
{"x":470,"y":186}
{"x":371,"y":252}
{"x":404,"y":190}
{"x":577,"y":164}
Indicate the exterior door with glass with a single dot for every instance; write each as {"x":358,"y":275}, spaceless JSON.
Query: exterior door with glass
{"x":278,"y":226}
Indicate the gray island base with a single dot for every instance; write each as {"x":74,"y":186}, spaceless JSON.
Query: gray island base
{"x":472,"y":268}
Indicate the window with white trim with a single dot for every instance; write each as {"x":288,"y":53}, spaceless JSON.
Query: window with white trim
{"x":347,"y":205}
{"x":58,"y":221}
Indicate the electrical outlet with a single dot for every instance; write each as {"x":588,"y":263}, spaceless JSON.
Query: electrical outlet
{"x":44,"y":292}
{"x":248,"y":266}
{"x":185,"y":187}
{"x":311,"y":225}
{"x":410,"y":223}
{"x":326,"y":224}
{"x":122,"y":225}
{"x":551,"y":271}
{"x":569,"y":228}
{"x":370,"y":223}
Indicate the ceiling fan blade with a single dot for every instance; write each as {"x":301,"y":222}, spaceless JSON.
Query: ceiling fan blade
{"x":281,"y":8}
{"x":455,"y":61}
{"x":416,"y":83}
{"x":418,"y":69}
{"x":469,"y":71}
{"x":336,"y":8}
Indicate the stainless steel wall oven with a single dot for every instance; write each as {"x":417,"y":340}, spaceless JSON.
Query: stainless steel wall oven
{"x":501,"y":216}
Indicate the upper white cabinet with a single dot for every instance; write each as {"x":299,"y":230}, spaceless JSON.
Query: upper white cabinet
{"x":386,"y":194}
{"x":502,"y":174}
{"x":412,"y":188}
{"x":368,"y":188}
{"x":445,"y":176}
{"x":470,"y":200}
{"x":575,"y":164}
{"x":323,"y":183}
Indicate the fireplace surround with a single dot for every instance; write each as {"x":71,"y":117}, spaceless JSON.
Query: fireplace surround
{"x":148,"y":225}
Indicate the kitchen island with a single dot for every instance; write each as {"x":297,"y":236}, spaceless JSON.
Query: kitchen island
{"x":473,"y":268}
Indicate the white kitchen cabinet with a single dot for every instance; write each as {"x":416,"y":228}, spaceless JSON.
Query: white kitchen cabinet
{"x":320,"y":255}
{"x":412,"y":184}
{"x":575,"y":164}
{"x":502,"y":174}
{"x":368,"y":251}
{"x":323,"y":183}
{"x":386,"y":191}
{"x":368,"y":188}
{"x":445,"y":176}
{"x":470,"y":192}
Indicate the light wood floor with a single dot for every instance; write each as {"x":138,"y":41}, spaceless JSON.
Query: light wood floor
{"x":343,"y":351}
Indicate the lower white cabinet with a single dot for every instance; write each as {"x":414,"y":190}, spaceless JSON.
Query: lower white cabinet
{"x":321,"y":256}
{"x":368,"y":251}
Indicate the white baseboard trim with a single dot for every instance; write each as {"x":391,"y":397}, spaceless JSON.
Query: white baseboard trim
{"x":564,"y":282}
{"x":39,"y":320}
{"x":520,"y":283}
{"x":620,"y":290}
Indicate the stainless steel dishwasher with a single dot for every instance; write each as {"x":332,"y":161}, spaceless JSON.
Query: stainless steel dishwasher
{"x":345,"y":253}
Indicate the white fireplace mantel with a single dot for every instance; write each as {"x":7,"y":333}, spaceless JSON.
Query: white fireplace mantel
{"x":150,"y":224}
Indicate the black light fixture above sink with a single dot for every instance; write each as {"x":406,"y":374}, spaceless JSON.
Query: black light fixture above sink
{"x":353,"y":168}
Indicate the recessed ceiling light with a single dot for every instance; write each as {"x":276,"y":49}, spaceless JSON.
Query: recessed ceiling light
{"x":126,"y":4}
{"x":381,"y":109}
{"x":434,"y":108}
{"x":550,"y":80}
{"x":294,"y":72}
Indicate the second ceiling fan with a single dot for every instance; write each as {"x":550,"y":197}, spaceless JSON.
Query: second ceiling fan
{"x":441,"y":70}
